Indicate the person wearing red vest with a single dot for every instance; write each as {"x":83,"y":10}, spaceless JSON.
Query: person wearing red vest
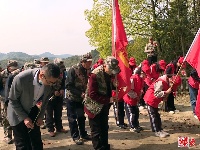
{"x":131,"y":100}
{"x":157,"y":92}
{"x":146,"y":68}
{"x":176,"y":80}
{"x":193,"y":82}
{"x":132,"y":64}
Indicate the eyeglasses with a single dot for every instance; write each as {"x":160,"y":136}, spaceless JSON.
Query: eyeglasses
{"x":49,"y":82}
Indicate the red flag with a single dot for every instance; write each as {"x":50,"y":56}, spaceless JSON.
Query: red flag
{"x":119,"y":41}
{"x":197,"y":108}
{"x":193,"y":55}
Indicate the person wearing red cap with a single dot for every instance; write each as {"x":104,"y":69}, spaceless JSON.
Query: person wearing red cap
{"x":156,"y":93}
{"x":176,"y":80}
{"x":131,"y":100}
{"x":132,"y":64}
{"x":146,"y":68}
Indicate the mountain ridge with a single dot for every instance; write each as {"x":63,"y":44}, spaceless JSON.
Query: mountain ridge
{"x":25,"y":56}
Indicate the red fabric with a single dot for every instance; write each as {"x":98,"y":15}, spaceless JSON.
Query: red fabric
{"x":95,"y":66}
{"x":154,"y":74}
{"x":193,"y":55}
{"x":193,"y":83}
{"x":93,"y":91}
{"x":177,"y":82}
{"x":149,"y":97}
{"x":197,"y":108}
{"x":137,"y":87}
{"x":119,"y":41}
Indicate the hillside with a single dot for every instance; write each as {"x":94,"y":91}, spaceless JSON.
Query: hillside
{"x":21,"y":57}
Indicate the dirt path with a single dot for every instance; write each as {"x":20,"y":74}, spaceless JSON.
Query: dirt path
{"x":181,"y":124}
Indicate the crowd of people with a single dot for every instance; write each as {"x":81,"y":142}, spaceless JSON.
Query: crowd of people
{"x":33,"y":97}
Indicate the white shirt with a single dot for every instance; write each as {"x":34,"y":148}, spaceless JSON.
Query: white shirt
{"x":38,"y":89}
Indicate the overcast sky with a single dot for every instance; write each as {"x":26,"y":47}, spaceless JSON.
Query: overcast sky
{"x":37,"y":26}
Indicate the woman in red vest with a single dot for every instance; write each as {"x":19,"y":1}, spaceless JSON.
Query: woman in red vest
{"x":157,"y":92}
{"x":131,"y":100}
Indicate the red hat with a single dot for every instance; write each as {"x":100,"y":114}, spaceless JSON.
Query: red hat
{"x":132,"y":61}
{"x":145,"y":62}
{"x":162,"y":64}
{"x":180,"y":60}
{"x":169,"y":69}
{"x":100,"y":61}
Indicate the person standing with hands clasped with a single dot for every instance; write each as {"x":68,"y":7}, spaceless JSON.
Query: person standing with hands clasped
{"x":28,"y":98}
{"x":76,"y":84}
{"x":97,"y":99}
{"x":158,"y":91}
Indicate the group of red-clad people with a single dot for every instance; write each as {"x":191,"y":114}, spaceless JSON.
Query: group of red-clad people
{"x":151,"y":83}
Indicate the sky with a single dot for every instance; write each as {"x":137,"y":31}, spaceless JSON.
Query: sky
{"x":38,"y":26}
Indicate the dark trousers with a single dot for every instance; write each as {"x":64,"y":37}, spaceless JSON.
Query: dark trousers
{"x":119,"y":112}
{"x":193,"y":97}
{"x":170,"y":102}
{"x":142,"y":102}
{"x":99,"y":130}
{"x":132,"y":113}
{"x":76,"y":119}
{"x":23,"y":139}
{"x":54,"y":114}
{"x":155,"y":119}
{"x":152,"y":59}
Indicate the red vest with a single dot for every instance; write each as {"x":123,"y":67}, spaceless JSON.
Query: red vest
{"x":193,"y":83}
{"x":149,"y":97}
{"x":137,"y":86}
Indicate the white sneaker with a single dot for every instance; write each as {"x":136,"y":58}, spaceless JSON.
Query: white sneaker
{"x":160,"y":134}
{"x":135,"y":130}
{"x":171,"y":112}
{"x":167,"y":134}
{"x":141,"y":107}
{"x":176,"y":110}
{"x":195,"y":116}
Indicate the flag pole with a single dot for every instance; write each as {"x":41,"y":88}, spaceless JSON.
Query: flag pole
{"x":163,"y":106}
{"x":186,"y":56}
{"x":198,"y":32}
{"x":115,"y":55}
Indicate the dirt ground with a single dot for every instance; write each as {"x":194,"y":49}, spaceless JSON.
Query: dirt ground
{"x":180,"y":124}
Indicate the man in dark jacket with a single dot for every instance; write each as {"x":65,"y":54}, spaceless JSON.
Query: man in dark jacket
{"x":76,"y":84}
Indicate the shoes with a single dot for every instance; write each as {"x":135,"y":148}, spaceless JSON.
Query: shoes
{"x":140,"y":128}
{"x":176,"y":110}
{"x":195,"y":116}
{"x":87,"y":137}
{"x":135,"y":130}
{"x":78,"y":141}
{"x":52,"y":134}
{"x":122,"y":126}
{"x":171,"y":112}
{"x":8,"y":140}
{"x":167,"y":134}
{"x":161,"y":134}
{"x":141,"y":107}
{"x":43,"y":126}
{"x":62,"y":131}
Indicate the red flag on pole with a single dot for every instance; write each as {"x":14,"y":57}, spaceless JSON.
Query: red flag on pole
{"x":193,"y":55}
{"x":119,"y":43}
{"x":193,"y":58}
